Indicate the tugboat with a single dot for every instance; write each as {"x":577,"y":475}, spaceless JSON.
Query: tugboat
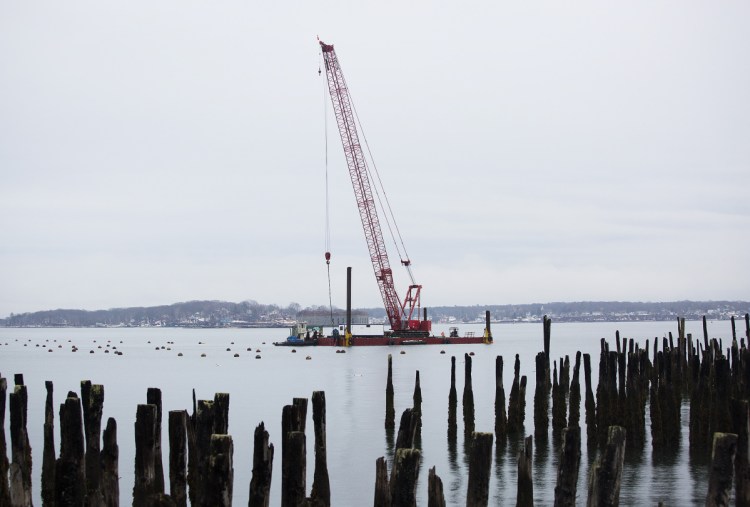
{"x":300,"y":336}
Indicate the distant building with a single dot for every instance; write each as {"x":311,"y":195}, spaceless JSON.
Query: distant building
{"x":323,"y":317}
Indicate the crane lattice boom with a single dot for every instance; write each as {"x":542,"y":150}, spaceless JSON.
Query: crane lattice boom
{"x":400,"y":315}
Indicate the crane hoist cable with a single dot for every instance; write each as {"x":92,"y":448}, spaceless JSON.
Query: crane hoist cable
{"x":327,"y":224}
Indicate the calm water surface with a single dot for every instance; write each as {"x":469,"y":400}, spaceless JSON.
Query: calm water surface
{"x":354,"y":384}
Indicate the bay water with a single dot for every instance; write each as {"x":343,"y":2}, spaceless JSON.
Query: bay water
{"x":354,"y":385}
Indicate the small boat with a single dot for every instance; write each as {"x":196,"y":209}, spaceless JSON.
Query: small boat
{"x":299,"y":336}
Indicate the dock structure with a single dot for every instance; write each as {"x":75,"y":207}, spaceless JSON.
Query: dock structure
{"x":638,"y":390}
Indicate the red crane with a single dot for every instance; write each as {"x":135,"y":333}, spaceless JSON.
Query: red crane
{"x":403,"y":316}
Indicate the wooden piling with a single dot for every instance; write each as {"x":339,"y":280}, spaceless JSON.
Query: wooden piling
{"x":48,"y":455}
{"x":513,"y":400}
{"x":92,"y":402}
{"x":177,"y":423}
{"x":525,"y":496}
{"x":559,"y":409}
{"x":220,"y":481}
{"x":574,"y":410}
{"x":293,"y":453}
{"x":590,"y":404}
{"x":480,"y":462}
{"x":403,"y":482}
{"x":452,"y":404}
{"x":153,"y":397}
{"x":144,"y":485}
{"x":741,"y":422}
{"x":407,"y":429}
{"x":606,"y":473}
{"x":70,"y":476}
{"x":547,"y":326}
{"x":321,"y":489}
{"x":435,"y":496}
{"x":20,"y":467}
{"x":501,"y":418}
{"x":390,"y":411}
{"x":109,"y":459}
{"x":468,"y":398}
{"x":382,"y":491}
{"x":722,"y":469}
{"x":260,"y":484}
{"x":541,"y":398}
{"x":4,"y":464}
{"x":567,"y":470}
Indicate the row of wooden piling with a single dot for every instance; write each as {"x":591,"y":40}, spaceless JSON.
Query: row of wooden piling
{"x":201,"y":449}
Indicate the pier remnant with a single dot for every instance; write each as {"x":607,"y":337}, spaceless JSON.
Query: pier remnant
{"x":260,"y":484}
{"x":606,"y":474}
{"x":20,"y":467}
{"x":525,"y":484}
{"x":480,"y":462}
{"x":178,"y":456}
{"x":722,"y":469}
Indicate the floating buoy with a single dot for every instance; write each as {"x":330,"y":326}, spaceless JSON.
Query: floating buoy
{"x":257,"y":350}
{"x":294,"y":351}
{"x":403,"y":352}
{"x":308,"y":358}
{"x":203,"y":355}
{"x":106,"y":351}
{"x":50,"y":350}
{"x":248,"y":349}
{"x":91,"y":352}
{"x":228,"y":349}
{"x":236,"y":355}
{"x":179,"y":355}
{"x":257,"y":357}
{"x":471,"y":353}
{"x":442,"y":352}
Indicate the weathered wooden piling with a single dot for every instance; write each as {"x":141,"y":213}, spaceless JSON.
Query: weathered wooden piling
{"x":390,"y":410}
{"x":606,"y":473}
{"x":480,"y":462}
{"x":468,"y":398}
{"x":589,"y":403}
{"x":92,"y":402}
{"x":435,"y":496}
{"x":547,"y":327}
{"x":567,"y":470}
{"x":109,"y":459}
{"x":260,"y":484}
{"x":541,"y":398}
{"x":722,"y":469}
{"x":293,"y":453}
{"x":565,"y":375}
{"x":403,"y":482}
{"x":407,"y":429}
{"x":220,"y":481}
{"x":70,"y":475}
{"x":48,"y":455}
{"x":417,"y":407}
{"x":741,"y":421}
{"x":382,"y":491}
{"x":574,"y":410}
{"x":4,"y":464}
{"x":513,"y":399}
{"x":321,"y":489}
{"x":559,"y":409}
{"x":501,"y":418}
{"x":452,"y":404}
{"x":177,"y":423}
{"x":144,"y":484}
{"x":153,"y":397}
{"x":20,"y":467}
{"x":525,"y":496}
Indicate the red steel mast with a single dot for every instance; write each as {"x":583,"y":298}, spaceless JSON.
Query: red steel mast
{"x":401,"y":315}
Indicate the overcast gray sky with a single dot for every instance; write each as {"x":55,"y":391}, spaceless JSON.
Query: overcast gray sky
{"x":155,"y":152}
